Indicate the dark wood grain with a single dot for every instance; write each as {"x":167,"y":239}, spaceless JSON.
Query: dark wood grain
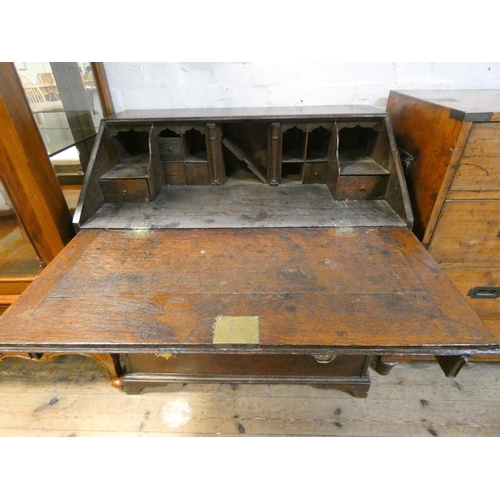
{"x":423,"y":130}
{"x":256,"y":113}
{"x":104,"y":157}
{"x":311,"y":288}
{"x":346,"y":373}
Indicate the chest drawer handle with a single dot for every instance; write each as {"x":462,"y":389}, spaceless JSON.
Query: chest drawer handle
{"x":484,"y":292}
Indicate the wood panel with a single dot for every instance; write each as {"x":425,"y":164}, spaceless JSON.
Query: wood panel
{"x":310,"y":288}
{"x":478,"y":174}
{"x":483,"y":141}
{"x":479,"y":167}
{"x":425,"y":131}
{"x":466,"y":279}
{"x":468,"y":231}
{"x":493,"y":323}
{"x":104,"y":157}
{"x":15,"y":285}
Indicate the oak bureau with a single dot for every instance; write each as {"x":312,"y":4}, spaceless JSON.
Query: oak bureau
{"x":263,"y":245}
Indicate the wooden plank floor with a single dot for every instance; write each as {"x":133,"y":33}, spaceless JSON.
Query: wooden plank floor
{"x":72,"y":396}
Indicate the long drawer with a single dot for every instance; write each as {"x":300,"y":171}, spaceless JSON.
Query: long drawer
{"x":480,"y":286}
{"x":467,"y":231}
{"x":479,"y":167}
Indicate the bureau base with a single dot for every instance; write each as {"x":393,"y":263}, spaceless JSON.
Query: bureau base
{"x":345,"y":373}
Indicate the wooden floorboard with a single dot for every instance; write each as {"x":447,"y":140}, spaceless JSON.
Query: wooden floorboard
{"x":72,"y":396}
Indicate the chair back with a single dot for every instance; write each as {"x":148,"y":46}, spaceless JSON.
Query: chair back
{"x":33,"y":93}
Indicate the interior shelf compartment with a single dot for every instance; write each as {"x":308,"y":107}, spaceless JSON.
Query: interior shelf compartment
{"x":183,"y":152}
{"x":318,"y":142}
{"x":305,"y":150}
{"x":195,"y":146}
{"x":294,"y":145}
{"x":137,"y":176}
{"x":363,"y":161}
{"x":351,"y":157}
{"x":245,"y":152}
{"x":293,"y":153}
{"x":315,"y":167}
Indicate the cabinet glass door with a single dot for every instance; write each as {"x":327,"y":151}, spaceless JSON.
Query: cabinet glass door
{"x":65,"y":103}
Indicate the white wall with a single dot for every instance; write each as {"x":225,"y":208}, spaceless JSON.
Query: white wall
{"x":192,"y":85}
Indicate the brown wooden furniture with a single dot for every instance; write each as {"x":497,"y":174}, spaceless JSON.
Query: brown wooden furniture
{"x":454,"y":182}
{"x":245,"y":245}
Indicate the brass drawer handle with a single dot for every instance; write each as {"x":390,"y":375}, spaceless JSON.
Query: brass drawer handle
{"x":324,"y":358}
{"x":484,"y":292}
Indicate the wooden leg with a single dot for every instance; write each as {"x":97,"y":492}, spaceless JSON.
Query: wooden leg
{"x":383,"y":365}
{"x":451,"y":365}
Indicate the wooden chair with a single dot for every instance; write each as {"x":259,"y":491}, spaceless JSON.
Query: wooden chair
{"x":35,"y":96}
{"x":49,"y":86}
{"x":33,"y":93}
{"x":88,"y":79}
{"x":46,"y":79}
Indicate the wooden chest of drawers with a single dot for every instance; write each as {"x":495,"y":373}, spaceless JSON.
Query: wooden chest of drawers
{"x":246,"y":245}
{"x":451,"y":140}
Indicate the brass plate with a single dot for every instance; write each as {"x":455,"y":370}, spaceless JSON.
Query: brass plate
{"x":240,"y":330}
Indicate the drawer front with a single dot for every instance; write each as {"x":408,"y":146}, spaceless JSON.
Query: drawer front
{"x":467,"y":231}
{"x":478,"y":285}
{"x":494,"y":326}
{"x":479,"y":167}
{"x":246,"y":365}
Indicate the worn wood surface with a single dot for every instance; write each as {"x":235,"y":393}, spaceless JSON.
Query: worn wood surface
{"x":346,"y":373}
{"x":361,"y":187}
{"x":479,"y":169}
{"x":244,"y":205}
{"x":104,"y":157}
{"x":463,"y":105}
{"x":467,"y":278}
{"x":358,"y":290}
{"x":256,"y":113}
{"x":414,"y":400}
{"x":468,"y":231}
